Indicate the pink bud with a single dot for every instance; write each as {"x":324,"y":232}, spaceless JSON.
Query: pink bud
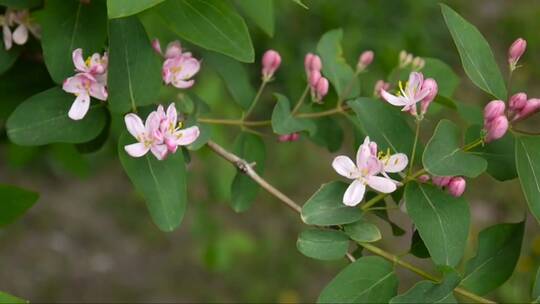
{"x":515,"y":51}
{"x":284,"y":138}
{"x":441,"y":181}
{"x":431,"y":85}
{"x":294,"y":137}
{"x":493,"y":109}
{"x":380,"y":85}
{"x":457,"y":185}
{"x":365,"y":59}
{"x":270,"y":62}
{"x":424,"y":178}
{"x":532,"y":106}
{"x":157,"y":46}
{"x":517,"y":102}
{"x":314,"y":77}
{"x":496,"y":128}
{"x":312,"y":62}
{"x":322,"y":89}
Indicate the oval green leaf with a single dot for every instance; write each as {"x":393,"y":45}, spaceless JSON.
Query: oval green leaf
{"x":211,"y":24}
{"x":11,"y":299}
{"x":442,"y":221}
{"x":43,"y":119}
{"x":368,"y":280}
{"x":162,"y":183}
{"x":124,"y":8}
{"x":14,"y":203}
{"x":431,"y":292}
{"x":261,"y":12}
{"x":528,"y":169}
{"x":323,"y":244}
{"x":283,"y":122}
{"x":363,"y":231}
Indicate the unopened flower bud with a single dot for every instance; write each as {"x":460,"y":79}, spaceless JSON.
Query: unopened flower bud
{"x":515,"y":51}
{"x":289,"y":137}
{"x":270,"y":62}
{"x":418,"y":63}
{"x":457,"y":186}
{"x":424,"y":178}
{"x":157,"y":46}
{"x":365,"y":59}
{"x":380,"y":85}
{"x":431,"y":85}
{"x":496,"y":128}
{"x":321,"y":89}
{"x":517,"y":102}
{"x":294,"y":137}
{"x":314,"y":77}
{"x":531,"y":106}
{"x":493,"y":109}
{"x":312,"y":62}
{"x":441,"y":181}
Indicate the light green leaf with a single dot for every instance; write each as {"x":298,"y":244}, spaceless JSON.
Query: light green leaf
{"x":261,"y":12}
{"x":14,"y":203}
{"x":161,"y":182}
{"x":323,"y":244}
{"x":124,"y":8}
{"x":499,"y":247}
{"x":368,"y":280}
{"x":243,"y":189}
{"x":68,"y":25}
{"x":528,"y":169}
{"x":326,"y":207}
{"x":442,"y":221}
{"x":471,"y":113}
{"x":430,"y":292}
{"x":211,"y":24}
{"x":299,"y":2}
{"x":363,"y":231}
{"x":283,"y":122}
{"x":43,"y":119}
{"x":10,"y":299}
{"x":535,"y":295}
{"x":134,"y":69}
{"x":476,"y":55}
{"x":444,"y":156}
{"x":335,"y":68}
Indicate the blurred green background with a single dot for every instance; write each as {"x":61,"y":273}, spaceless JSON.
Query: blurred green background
{"x":90,"y":238}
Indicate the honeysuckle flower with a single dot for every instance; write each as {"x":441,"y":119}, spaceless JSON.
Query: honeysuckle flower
{"x":418,"y":63}
{"x":171,"y":132}
{"x":494,"y":109}
{"x":456,"y":186}
{"x":22,"y":23}
{"x":441,"y":181}
{"x":364,"y":60}
{"x":179,"y":70}
{"x":312,"y":62}
{"x":84,"y":86}
{"x":95,"y":64}
{"x":517,"y":102}
{"x":495,"y":122}
{"x":380,"y":85}
{"x":364,"y":173}
{"x":410,"y":95}
{"x":174,"y":49}
{"x":405,"y":59}
{"x":147,"y":136}
{"x":289,"y":137}
{"x":271,"y":61}
{"x":431,"y":85}
{"x":515,"y":52}
{"x":391,"y":163}
{"x":531,"y":107}
{"x":320,"y":89}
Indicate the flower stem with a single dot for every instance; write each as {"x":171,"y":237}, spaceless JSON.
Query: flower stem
{"x":255,"y":99}
{"x":301,"y":100}
{"x":473,"y":145}
{"x":413,"y":154}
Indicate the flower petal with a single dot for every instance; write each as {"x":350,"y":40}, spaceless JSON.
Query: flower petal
{"x":354,"y":193}
{"x":136,"y":149}
{"x":174,"y":49}
{"x":8,"y":39}
{"x":78,"y":60}
{"x":345,"y":167}
{"x":172,"y":115}
{"x":181,"y":84}
{"x":363,"y":155}
{"x":80,"y":107}
{"x":152,"y":122}
{"x":134,"y":125}
{"x":396,"y":163}
{"x":392,"y":99}
{"x":159,"y":151}
{"x":381,"y":184}
{"x":187,"y":136}
{"x":20,"y":35}
{"x":98,"y":91}
{"x":190,"y":67}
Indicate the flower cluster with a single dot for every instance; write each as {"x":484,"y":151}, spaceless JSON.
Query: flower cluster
{"x":317,"y":83}
{"x":20,"y":20}
{"x":161,"y":134}
{"x":406,"y":59}
{"x":90,"y":81}
{"x":416,"y":90}
{"x":179,"y":67}
{"x":455,"y":185}
{"x":369,"y":165}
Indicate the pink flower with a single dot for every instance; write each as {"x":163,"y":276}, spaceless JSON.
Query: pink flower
{"x":409,"y":96}
{"x":21,"y":20}
{"x":456,"y":186}
{"x":515,"y":52}
{"x":95,"y":64}
{"x":441,"y":181}
{"x":496,"y":128}
{"x":289,"y":137}
{"x":270,"y":63}
{"x":179,"y":70}
{"x":430,"y":85}
{"x":171,"y":132}
{"x":364,"y":60}
{"x":312,"y":62}
{"x":84,"y":86}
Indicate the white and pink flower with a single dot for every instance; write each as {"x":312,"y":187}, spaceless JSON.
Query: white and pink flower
{"x":179,"y":67}
{"x":20,"y":20}
{"x":414,"y":92}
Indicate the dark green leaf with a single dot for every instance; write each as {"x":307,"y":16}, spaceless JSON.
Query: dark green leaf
{"x":323,"y":244}
{"x":43,"y":119}
{"x":326,"y":207}
{"x":443,"y":155}
{"x":476,"y":55}
{"x":418,"y":248}
{"x":124,"y":8}
{"x":528,"y":169}
{"x":283,"y":122}
{"x":328,"y":133}
{"x":442,"y":221}
{"x":335,"y":68}
{"x":447,"y":80}
{"x":10,"y":299}
{"x":134,"y":70}
{"x":243,"y":189}
{"x":368,"y":280}
{"x":162,"y":183}
{"x":471,"y":113}
{"x":20,"y":4}
{"x":7,"y":58}
{"x":363,"y":231}
{"x":14,"y":203}
{"x":499,"y":247}
{"x":430,"y":292}
{"x":68,"y":25}
{"x":211,"y":24}
{"x":261,"y":12}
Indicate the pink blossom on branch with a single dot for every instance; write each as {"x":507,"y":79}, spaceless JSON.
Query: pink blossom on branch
{"x":412,"y":93}
{"x":364,"y":60}
{"x":495,"y":122}
{"x":312,"y":62}
{"x":84,"y":86}
{"x":531,"y":107}
{"x":179,"y":67}
{"x":270,"y":63}
{"x":515,"y":52}
{"x":23,"y":25}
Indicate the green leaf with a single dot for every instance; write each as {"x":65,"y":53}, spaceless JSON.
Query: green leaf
{"x":7,"y":58}
{"x":326,"y":207}
{"x":335,"y":68}
{"x":161,"y":182}
{"x":20,"y":4}
{"x":528,"y":169}
{"x":134,"y":69}
{"x":43,"y":119}
{"x":363,"y":231}
{"x":471,"y":113}
{"x":124,"y":8}
{"x":323,"y":244}
{"x":442,"y":221}
{"x":14,"y":203}
{"x":68,"y":25}
{"x":210,"y":24}
{"x":368,"y":280}
{"x":261,"y":12}
{"x":476,"y":55}
{"x":444,"y":156}
{"x":10,"y":299}
{"x":299,"y":2}
{"x":385,"y":125}
{"x":535,"y":294}
{"x":446,"y":78}
{"x":243,"y":189}
{"x":235,"y":76}
{"x":283,"y":122}
{"x":499,"y":247}
{"x":499,"y":154}
{"x":418,"y":248}
{"x":430,"y":292}
{"x":328,"y":133}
